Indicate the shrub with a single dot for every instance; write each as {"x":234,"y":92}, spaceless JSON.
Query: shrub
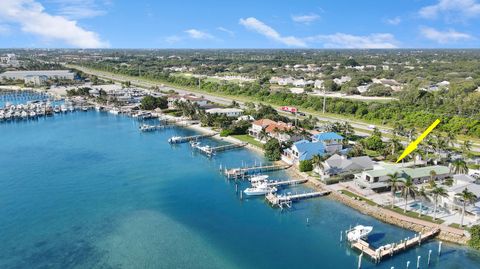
{"x":474,"y":241}
{"x":306,"y":166}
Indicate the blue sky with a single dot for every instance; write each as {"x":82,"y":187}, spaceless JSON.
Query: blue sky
{"x":240,"y":24}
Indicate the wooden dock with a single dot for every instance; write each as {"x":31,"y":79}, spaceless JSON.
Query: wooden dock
{"x":287,"y":200}
{"x":209,"y":151}
{"x":245,"y":171}
{"x":286,"y":182}
{"x":391,"y":249}
{"x":184,"y":139}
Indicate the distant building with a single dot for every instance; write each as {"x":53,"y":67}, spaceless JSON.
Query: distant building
{"x":229,"y":112}
{"x":279,"y":130}
{"x":35,"y":80}
{"x":49,"y":74}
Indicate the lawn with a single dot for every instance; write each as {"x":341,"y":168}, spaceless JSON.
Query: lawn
{"x":358,"y":197}
{"x":414,"y":215}
{"x":248,"y":139}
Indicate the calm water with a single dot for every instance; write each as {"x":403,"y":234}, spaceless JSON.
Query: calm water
{"x":88,"y":190}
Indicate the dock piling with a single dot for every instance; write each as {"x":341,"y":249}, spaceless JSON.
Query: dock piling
{"x":439,"y":248}
{"x":418,"y":262}
{"x":408,"y":264}
{"x":429,"y":254}
{"x":360,"y":260}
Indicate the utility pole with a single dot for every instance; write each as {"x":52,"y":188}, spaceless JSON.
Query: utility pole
{"x":324,"y":100}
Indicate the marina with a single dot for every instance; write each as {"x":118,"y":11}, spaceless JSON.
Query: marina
{"x":307,"y":225}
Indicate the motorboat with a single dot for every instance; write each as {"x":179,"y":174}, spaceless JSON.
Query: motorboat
{"x":359,"y":232}
{"x":114,"y":111}
{"x":56,"y":109}
{"x":260,"y":189}
{"x":258,"y":178}
{"x":174,"y":139}
{"x":63,"y":108}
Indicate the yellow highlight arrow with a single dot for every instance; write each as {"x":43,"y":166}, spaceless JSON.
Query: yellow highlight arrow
{"x":417,"y":141}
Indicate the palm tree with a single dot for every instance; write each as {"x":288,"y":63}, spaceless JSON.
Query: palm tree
{"x":393,"y":144}
{"x":393,"y":181}
{"x":433,"y":175}
{"x":466,"y":197}
{"x":423,"y":194}
{"x":263,"y":134}
{"x":317,"y":161}
{"x":437,"y":192}
{"x":409,"y":189}
{"x":459,"y":166}
{"x":466,"y":147}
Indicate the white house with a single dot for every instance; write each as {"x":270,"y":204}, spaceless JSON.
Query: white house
{"x":229,"y":112}
{"x":452,"y":201}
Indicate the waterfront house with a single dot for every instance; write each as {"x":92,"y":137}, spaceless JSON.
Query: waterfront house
{"x":342,"y":165}
{"x":333,"y":142}
{"x":201,"y":102}
{"x":377,"y":179}
{"x":229,"y":112}
{"x":320,"y":144}
{"x":282,"y":131}
{"x":452,"y":201}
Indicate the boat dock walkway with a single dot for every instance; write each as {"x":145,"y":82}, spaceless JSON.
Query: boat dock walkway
{"x":286,"y":200}
{"x":209,"y":151}
{"x":391,"y":249}
{"x":286,"y":182}
{"x":184,"y":139}
{"x":242,"y":172}
{"x":150,"y":128}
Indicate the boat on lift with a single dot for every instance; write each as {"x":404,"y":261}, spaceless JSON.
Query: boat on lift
{"x":260,"y":189}
{"x":359,"y":232}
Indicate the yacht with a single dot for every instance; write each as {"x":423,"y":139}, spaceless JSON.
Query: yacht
{"x":260,"y":189}
{"x":32,"y":114}
{"x":359,"y":232}
{"x":174,"y":139}
{"x":56,"y":109}
{"x":114,"y":111}
{"x":63,"y":108}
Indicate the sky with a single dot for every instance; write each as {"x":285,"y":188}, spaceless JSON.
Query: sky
{"x":240,"y":24}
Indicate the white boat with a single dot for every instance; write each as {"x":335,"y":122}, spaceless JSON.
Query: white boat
{"x":56,"y":109}
{"x":32,"y":114}
{"x":174,"y":139}
{"x":63,"y":108}
{"x":359,"y":232}
{"x":114,"y":111}
{"x":260,"y":189}
{"x":258,"y":178}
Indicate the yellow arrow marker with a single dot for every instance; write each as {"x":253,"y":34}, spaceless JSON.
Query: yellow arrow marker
{"x":417,"y":141}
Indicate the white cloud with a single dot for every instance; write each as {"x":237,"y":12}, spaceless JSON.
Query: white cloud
{"x":444,"y":37}
{"x":451,"y":9}
{"x":197,"y":34}
{"x":338,"y":40}
{"x":78,"y":9}
{"x":225,"y":30}
{"x":267,"y":31}
{"x":305,"y":19}
{"x":33,"y":19}
{"x":341,"y":40}
{"x":394,"y":21}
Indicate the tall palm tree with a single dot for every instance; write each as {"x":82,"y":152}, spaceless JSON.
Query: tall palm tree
{"x":393,"y":181}
{"x":466,"y":147}
{"x":409,"y":189}
{"x":423,"y":194}
{"x":437,"y":192}
{"x":466,"y":197}
{"x":433,"y":175}
{"x":459,"y":166}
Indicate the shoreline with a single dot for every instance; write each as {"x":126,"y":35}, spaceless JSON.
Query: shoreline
{"x":448,"y":234}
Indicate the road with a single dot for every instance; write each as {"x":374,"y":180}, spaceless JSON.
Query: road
{"x":361,"y":128}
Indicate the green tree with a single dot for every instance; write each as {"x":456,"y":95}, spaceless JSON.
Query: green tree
{"x":305,"y":166}
{"x":393,"y":181}
{"x":467,"y":197}
{"x":459,"y":166}
{"x":150,"y":102}
{"x":317,"y":161}
{"x":273,"y":150}
{"x":474,"y":241}
{"x":408,"y":189}
{"x":436,"y":193}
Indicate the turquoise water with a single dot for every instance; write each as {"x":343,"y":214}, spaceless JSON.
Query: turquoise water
{"x":88,"y":190}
